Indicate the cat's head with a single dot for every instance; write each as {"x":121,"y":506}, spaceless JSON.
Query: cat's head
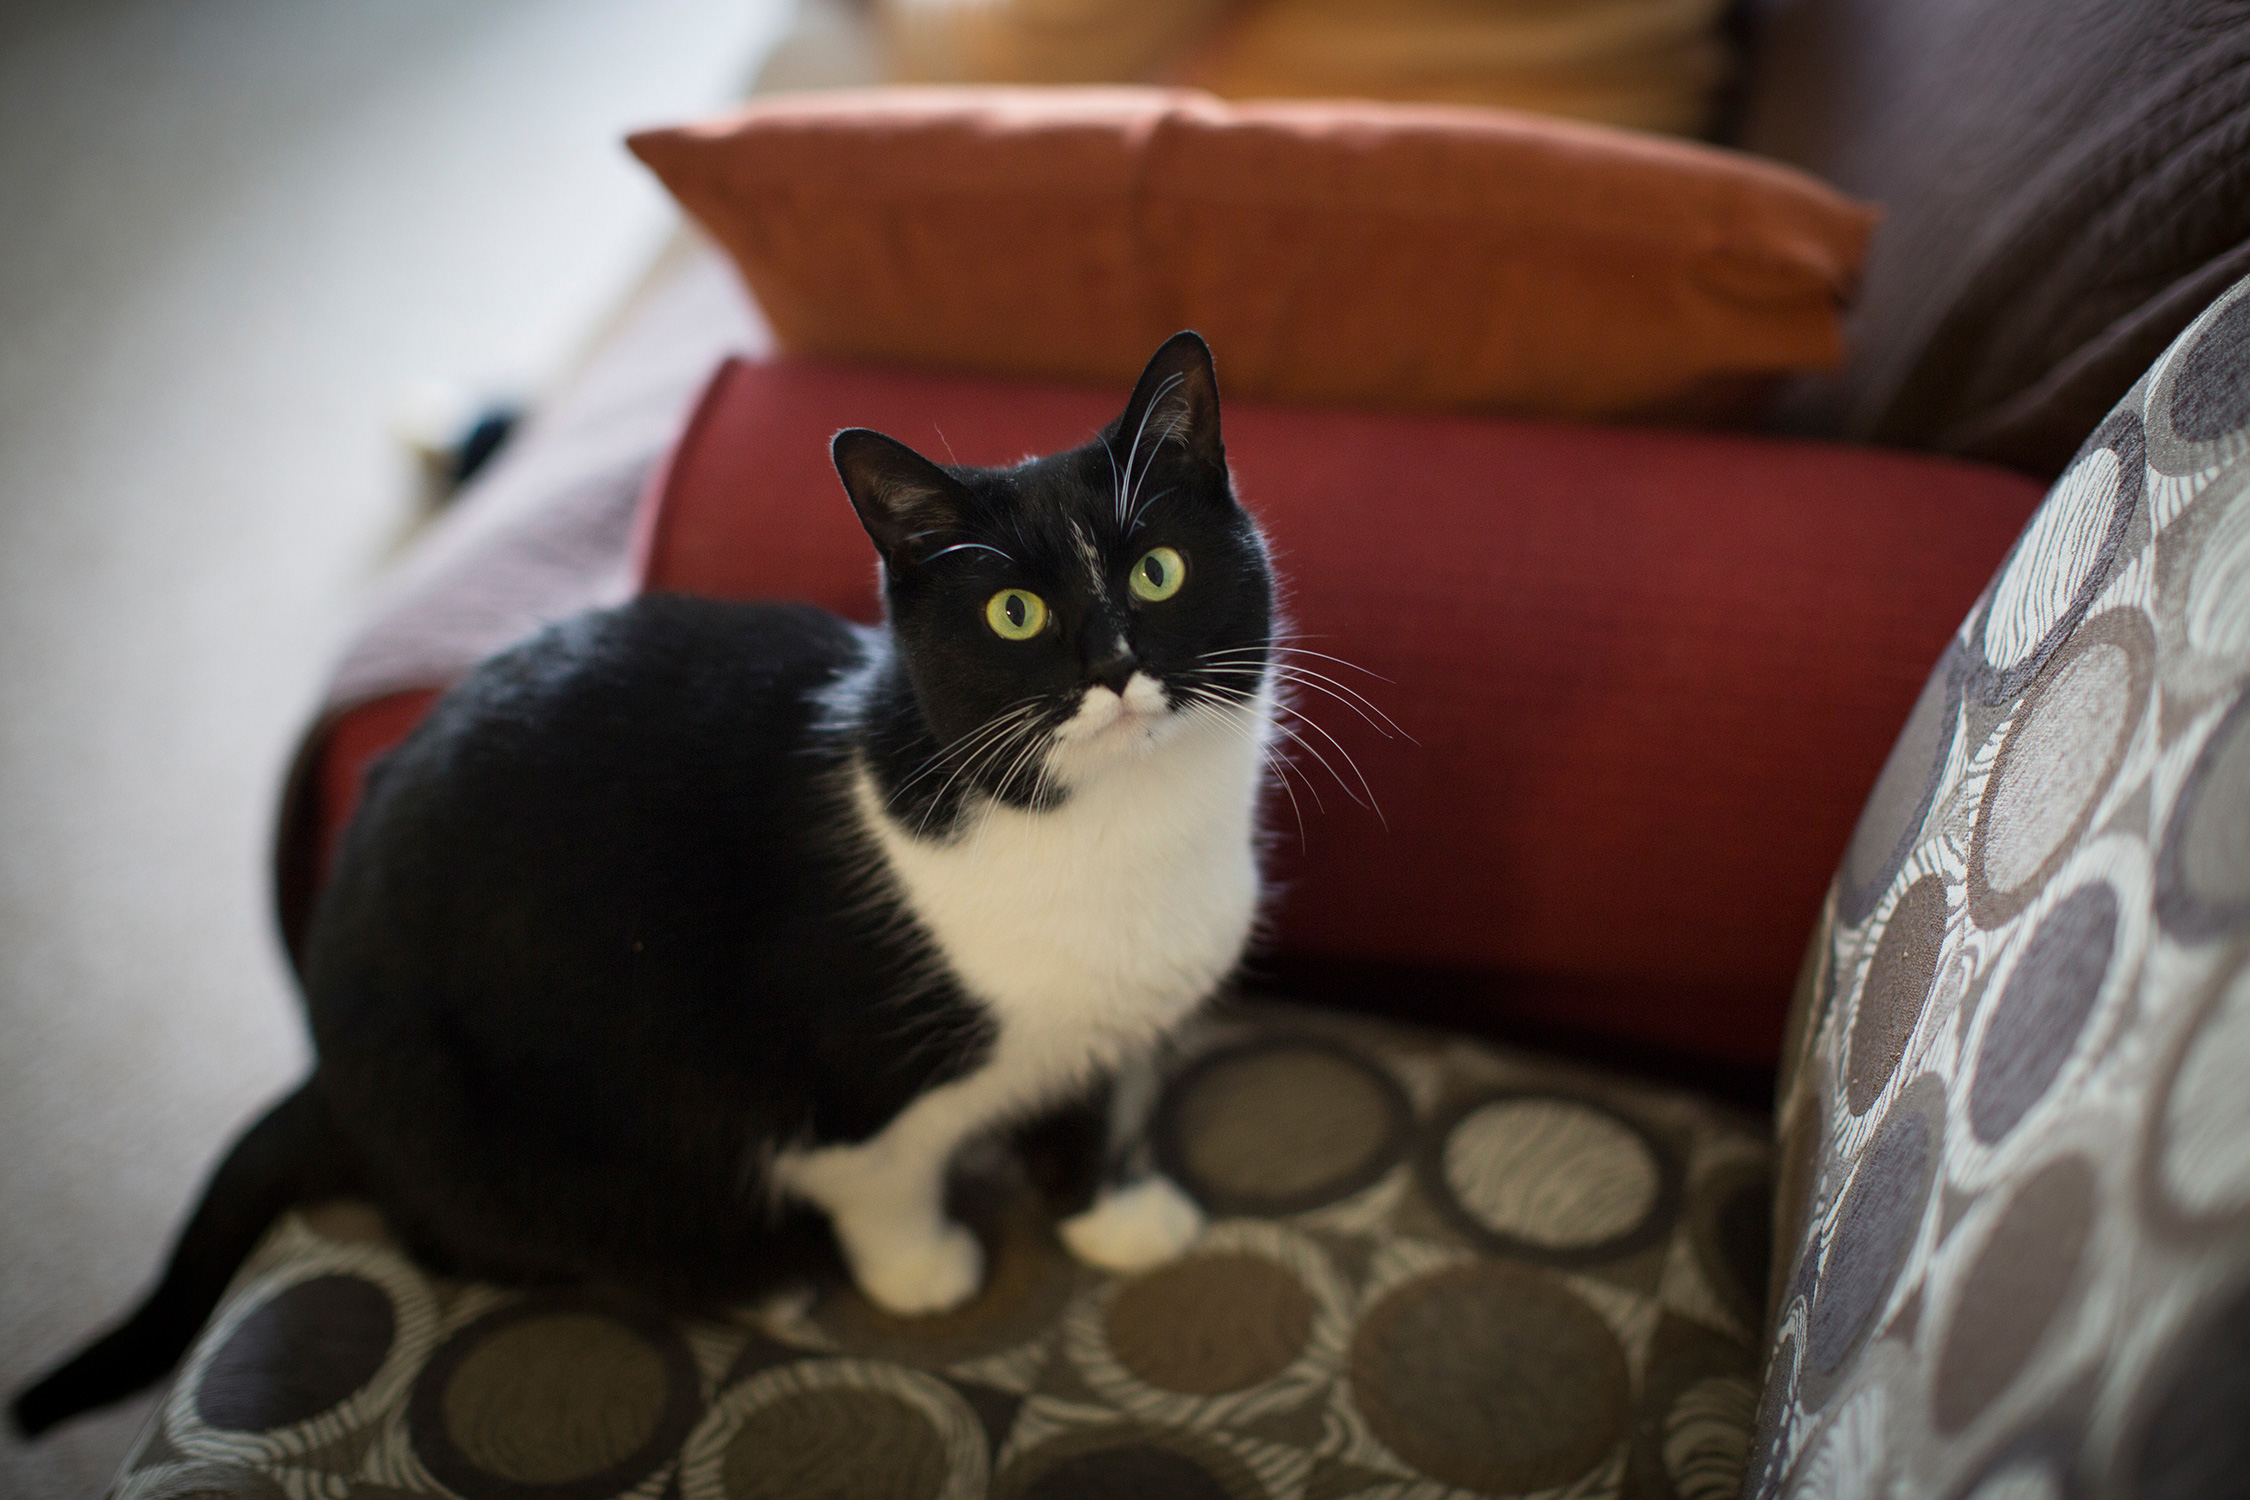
{"x":1080,"y":609}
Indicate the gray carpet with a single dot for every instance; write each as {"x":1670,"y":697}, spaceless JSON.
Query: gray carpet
{"x":234,"y":232}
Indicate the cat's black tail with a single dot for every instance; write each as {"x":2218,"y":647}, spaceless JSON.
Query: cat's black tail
{"x":293,"y":1155}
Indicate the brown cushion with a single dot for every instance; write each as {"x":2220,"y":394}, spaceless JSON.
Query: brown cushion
{"x":1376,"y":255}
{"x":2067,"y":184}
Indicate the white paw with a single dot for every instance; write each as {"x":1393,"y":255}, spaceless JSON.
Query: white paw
{"x":1135,"y":1227}
{"x":923,"y":1274}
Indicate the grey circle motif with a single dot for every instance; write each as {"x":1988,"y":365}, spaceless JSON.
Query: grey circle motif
{"x":1550,"y":1171}
{"x":1892,"y":819}
{"x":308,"y":1349}
{"x":1897,"y":987}
{"x":1548,"y":1177}
{"x":2194,"y":1169}
{"x":2013,"y":1290}
{"x":2062,"y":752}
{"x":1279,"y":1125}
{"x":2062,"y":560}
{"x":2211,"y":391}
{"x":2043,"y":1008}
{"x":563,"y":1396}
{"x":1875,"y":1226}
{"x":2203,"y":869}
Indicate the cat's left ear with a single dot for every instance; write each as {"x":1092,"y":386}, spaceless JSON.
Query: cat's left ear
{"x":1175,"y":408}
{"x":904,"y":500}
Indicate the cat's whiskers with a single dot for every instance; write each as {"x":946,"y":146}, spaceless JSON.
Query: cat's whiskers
{"x":1279,"y":645}
{"x":1270,"y":656}
{"x":989,"y":752}
{"x":1276,"y":648}
{"x":1208,"y":703}
{"x":1034,"y":738}
{"x":1280,"y":642}
{"x":1376,"y":719}
{"x":963,"y":745}
{"x":972,"y":749}
{"x":1365,"y":795}
{"x":1033,"y":745}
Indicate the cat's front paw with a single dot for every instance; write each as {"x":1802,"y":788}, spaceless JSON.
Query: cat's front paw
{"x":924,"y":1274}
{"x":1135,"y":1227}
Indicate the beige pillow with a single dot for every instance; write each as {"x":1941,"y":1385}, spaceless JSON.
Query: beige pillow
{"x":1646,"y":64}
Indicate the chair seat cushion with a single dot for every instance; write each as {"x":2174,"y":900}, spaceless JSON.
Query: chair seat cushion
{"x":1429,"y":1262}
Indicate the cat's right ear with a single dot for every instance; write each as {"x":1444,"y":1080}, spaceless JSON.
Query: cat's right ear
{"x":905,"y":501}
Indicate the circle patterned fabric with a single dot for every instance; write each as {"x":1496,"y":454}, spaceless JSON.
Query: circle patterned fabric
{"x":2015,"y":1199}
{"x":1433,"y":1268}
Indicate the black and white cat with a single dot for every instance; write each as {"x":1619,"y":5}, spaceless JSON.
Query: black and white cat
{"x":685,"y":912}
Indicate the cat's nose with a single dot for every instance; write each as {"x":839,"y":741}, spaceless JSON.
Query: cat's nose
{"x":1115,"y":670}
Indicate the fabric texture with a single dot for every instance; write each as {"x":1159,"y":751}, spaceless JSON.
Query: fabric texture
{"x":2067,"y":185}
{"x":1644,"y":64}
{"x":2014,"y":1203}
{"x":1431,"y":1263}
{"x":1643,"y":679}
{"x":1389,"y":256}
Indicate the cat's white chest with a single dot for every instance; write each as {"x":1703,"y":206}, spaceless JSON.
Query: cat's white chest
{"x":1100,"y":923}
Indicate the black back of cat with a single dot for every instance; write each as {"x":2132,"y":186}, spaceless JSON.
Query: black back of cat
{"x":526,"y":981}
{"x":644,"y":952}
{"x":607,"y":933}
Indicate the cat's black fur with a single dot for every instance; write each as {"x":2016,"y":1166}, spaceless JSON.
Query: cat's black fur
{"x":605,"y":933}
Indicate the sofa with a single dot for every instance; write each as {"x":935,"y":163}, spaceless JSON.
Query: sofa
{"x":1545,"y":1152}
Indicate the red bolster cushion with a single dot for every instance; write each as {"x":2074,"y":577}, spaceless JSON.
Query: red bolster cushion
{"x":1649,"y":676}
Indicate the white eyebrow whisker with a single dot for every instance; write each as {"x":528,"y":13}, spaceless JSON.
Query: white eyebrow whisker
{"x":1140,"y":512}
{"x":966,"y":546}
{"x":1171,"y":430}
{"x":1140,"y":431}
{"x":1116,"y":484}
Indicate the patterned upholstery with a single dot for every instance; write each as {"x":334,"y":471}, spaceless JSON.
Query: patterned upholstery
{"x":1434,"y":1267}
{"x":2015,"y":1129}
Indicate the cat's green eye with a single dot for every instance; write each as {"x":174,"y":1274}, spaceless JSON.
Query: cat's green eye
{"x":1016,"y":614}
{"x":1158,"y":575}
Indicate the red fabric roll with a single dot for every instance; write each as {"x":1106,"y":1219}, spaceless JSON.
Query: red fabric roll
{"x":1648,"y":675}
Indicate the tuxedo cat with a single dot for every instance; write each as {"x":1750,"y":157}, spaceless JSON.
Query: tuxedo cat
{"x":685,"y":915}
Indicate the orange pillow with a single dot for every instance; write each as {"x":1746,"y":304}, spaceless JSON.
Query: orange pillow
{"x":1417,"y":256}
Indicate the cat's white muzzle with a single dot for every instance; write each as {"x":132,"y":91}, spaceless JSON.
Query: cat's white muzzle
{"x":1131,"y":720}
